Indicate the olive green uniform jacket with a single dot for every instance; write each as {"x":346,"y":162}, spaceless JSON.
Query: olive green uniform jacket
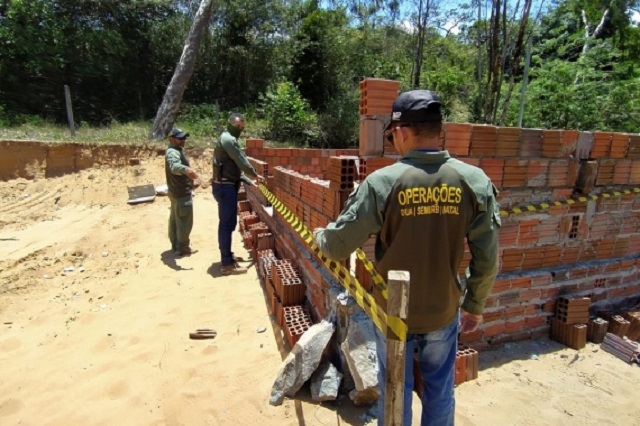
{"x":229,"y":161}
{"x":175,"y":167}
{"x":421,"y":210}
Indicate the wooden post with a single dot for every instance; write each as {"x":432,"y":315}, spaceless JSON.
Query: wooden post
{"x":67,"y":98}
{"x":397,"y":306}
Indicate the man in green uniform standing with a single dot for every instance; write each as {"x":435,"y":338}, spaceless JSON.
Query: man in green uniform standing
{"x":180,"y":179}
{"x":421,"y":210}
{"x":230,"y":167}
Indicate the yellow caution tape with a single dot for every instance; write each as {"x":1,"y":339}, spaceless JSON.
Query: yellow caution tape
{"x":568,"y":202}
{"x":344,"y":277}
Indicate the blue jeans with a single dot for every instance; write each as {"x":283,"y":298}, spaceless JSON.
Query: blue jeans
{"x":227,"y":197}
{"x":436,"y":357}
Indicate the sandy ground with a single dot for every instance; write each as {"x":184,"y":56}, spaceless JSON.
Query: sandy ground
{"x":106,"y":342}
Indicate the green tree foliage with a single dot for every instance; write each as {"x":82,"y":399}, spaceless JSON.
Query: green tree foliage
{"x":288,"y":115}
{"x":99,"y":48}
{"x":320,"y":56}
{"x":118,"y":56}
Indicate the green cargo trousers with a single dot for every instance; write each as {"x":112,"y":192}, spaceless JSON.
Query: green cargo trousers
{"x":180,"y":222}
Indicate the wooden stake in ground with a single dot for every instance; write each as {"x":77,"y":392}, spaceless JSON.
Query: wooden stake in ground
{"x":67,"y":100}
{"x":166,"y":115}
{"x":397,"y":306}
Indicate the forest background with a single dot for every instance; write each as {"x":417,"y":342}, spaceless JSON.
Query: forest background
{"x":293,"y":66}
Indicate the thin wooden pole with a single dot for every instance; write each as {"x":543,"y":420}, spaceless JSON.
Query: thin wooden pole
{"x":397,"y":306}
{"x":525,"y":81}
{"x":67,"y":98}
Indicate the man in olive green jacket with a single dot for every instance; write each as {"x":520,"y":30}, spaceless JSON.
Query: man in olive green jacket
{"x":421,"y":210}
{"x":180,"y":177}
{"x":230,"y":167}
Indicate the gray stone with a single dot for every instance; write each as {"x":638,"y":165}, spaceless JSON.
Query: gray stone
{"x":301,"y":362}
{"x":325,"y":382}
{"x":359,"y":349}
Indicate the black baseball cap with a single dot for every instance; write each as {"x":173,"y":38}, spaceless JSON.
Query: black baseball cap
{"x":416,"y":106}
{"x":178,"y":133}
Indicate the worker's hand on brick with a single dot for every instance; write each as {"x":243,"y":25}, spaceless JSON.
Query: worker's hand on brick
{"x":259,"y":179}
{"x":469,"y":322}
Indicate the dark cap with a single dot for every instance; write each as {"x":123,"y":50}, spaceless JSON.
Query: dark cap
{"x":416,"y":106}
{"x":177,"y":133}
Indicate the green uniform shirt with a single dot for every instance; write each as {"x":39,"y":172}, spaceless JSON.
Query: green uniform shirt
{"x":229,"y":161}
{"x":176,"y":164}
{"x":421,"y":210}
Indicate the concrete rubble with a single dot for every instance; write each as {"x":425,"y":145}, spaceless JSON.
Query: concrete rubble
{"x":301,"y":362}
{"x":359,"y":349}
{"x":325,"y":382}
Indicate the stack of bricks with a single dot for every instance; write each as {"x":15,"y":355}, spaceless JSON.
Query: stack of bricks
{"x":247,"y":218}
{"x":569,"y":326}
{"x":342,"y":173}
{"x":261,"y":167}
{"x":617,"y":324}
{"x":315,"y":202}
{"x":244,"y":206}
{"x":296,"y":321}
{"x":362,"y":275}
{"x":256,"y":229}
{"x":619,"y":145}
{"x":508,"y":141}
{"x":376,"y":100}
{"x":312,"y":162}
{"x":242,"y":193}
{"x":287,"y":283}
{"x":288,"y":296}
{"x":620,"y":347}
{"x":377,"y":96}
{"x":633,"y":150}
{"x":493,"y":168}
{"x":552,"y":145}
{"x":371,"y":164}
{"x":596,"y":329}
{"x":457,"y":138}
{"x":266,"y":258}
{"x":515,"y":173}
{"x":601,"y":144}
{"x":484,"y":141}
{"x":263,"y":239}
{"x":531,"y":143}
{"x":466,"y":368}
{"x":606,"y":171}
{"x":634,"y":325}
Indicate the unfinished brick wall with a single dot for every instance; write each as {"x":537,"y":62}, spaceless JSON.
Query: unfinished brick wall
{"x":577,"y":249}
{"x":311,"y":162}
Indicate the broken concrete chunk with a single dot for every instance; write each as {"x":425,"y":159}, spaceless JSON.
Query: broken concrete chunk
{"x":301,"y":362}
{"x":325,"y":382}
{"x":359,"y":349}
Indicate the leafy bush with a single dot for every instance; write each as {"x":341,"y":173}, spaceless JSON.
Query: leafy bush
{"x":5,"y":120}
{"x":289,"y":118}
{"x":339,"y":122}
{"x":202,"y":119}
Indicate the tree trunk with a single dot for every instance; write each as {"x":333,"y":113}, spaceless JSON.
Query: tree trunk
{"x":166,"y":115}
{"x":425,"y":8}
{"x":419,"y":47}
{"x":517,"y":53}
{"x":588,"y":37}
{"x":494,"y":60}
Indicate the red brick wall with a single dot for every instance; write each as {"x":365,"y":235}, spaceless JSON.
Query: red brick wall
{"x":583,"y":249}
{"x":311,"y":162}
